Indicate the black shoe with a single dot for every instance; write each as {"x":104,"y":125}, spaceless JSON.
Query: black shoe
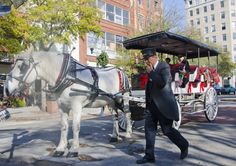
{"x":184,"y":154}
{"x":145,"y":160}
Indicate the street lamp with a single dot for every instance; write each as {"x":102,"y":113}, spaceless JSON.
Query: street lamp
{"x":91,"y":50}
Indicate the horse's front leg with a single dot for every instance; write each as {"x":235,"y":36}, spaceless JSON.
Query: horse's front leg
{"x":127,"y":115}
{"x":115,"y":134}
{"x":76,"y":110}
{"x":60,"y":150}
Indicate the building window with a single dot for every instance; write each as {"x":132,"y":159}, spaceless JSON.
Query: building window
{"x":113,"y":13}
{"x":102,"y":7}
{"x":205,"y":19}
{"x":214,"y":39}
{"x":110,"y":41}
{"x":118,"y":15}
{"x":213,"y":28}
{"x":234,"y":47}
{"x":197,"y":11}
{"x":212,"y":17}
{"x":191,"y":23}
{"x":233,"y":13}
{"x":140,"y":22}
{"x":125,"y":17}
{"x":119,"y":42}
{"x":234,"y":58}
{"x":232,"y":2}
{"x":95,"y":42}
{"x":222,"y":14}
{"x":212,"y":6}
{"x":223,"y":26}
{"x":224,"y":37}
{"x":234,"y":25}
{"x":190,"y":2}
{"x":156,"y":4}
{"x":198,"y":21}
{"x":148,"y":4}
{"x":140,"y":2}
{"x":191,"y":13}
{"x":110,"y":12}
{"x":205,"y":9}
{"x":224,"y":48}
{"x":207,"y":39}
{"x":206,"y":30}
{"x":222,"y":4}
{"x":234,"y":35}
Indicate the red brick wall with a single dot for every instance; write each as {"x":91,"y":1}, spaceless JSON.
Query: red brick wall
{"x":118,"y":29}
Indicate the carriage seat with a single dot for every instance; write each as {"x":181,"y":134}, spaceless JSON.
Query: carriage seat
{"x":193,"y":75}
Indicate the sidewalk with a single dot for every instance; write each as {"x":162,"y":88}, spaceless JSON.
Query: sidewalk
{"x":31,"y":143}
{"x":34,"y":113}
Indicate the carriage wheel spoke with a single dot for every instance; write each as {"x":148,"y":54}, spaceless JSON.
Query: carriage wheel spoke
{"x":211,"y":104}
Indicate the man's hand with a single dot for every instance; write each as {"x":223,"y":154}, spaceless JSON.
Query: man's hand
{"x":149,"y":67}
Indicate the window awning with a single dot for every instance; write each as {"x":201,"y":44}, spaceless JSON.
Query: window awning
{"x":170,"y":43}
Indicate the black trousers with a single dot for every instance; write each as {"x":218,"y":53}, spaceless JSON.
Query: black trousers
{"x":152,"y":117}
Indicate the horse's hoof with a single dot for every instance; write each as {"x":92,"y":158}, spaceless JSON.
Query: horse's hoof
{"x":72,"y":154}
{"x":128,"y":136}
{"x":58,"y":154}
{"x":112,"y":139}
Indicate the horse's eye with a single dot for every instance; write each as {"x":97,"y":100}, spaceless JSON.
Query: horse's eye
{"x":24,"y":67}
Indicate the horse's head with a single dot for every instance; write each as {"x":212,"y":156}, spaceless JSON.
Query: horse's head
{"x":23,"y":74}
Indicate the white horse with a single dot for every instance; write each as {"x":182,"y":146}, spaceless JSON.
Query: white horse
{"x":76,"y":86}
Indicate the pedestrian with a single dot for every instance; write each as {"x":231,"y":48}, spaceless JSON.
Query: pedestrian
{"x":168,"y":61}
{"x":184,"y":70}
{"x":161,"y":106}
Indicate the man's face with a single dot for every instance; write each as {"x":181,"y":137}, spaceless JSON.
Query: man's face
{"x":151,"y":60}
{"x":181,"y":58}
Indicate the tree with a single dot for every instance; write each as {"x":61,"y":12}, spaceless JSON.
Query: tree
{"x":226,"y":65}
{"x":56,"y":21}
{"x":14,"y":32}
{"x":102,"y":59}
{"x":131,"y":60}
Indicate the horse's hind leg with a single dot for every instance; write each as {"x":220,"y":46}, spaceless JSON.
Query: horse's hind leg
{"x":76,"y":110}
{"x":64,"y":133}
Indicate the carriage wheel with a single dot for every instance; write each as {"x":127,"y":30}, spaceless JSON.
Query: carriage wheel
{"x":176,"y":124}
{"x":122,"y":121}
{"x":211,"y":104}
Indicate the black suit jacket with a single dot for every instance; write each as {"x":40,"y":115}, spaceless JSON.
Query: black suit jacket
{"x":159,"y":90}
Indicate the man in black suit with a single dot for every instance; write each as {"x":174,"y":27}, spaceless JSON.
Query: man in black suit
{"x":161,"y":107}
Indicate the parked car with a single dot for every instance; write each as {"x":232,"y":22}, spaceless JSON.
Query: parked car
{"x":228,"y":89}
{"x":218,"y":89}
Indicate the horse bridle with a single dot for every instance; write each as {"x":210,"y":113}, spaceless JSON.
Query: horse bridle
{"x":28,"y":68}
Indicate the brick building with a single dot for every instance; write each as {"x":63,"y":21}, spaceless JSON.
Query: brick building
{"x":121,"y":18}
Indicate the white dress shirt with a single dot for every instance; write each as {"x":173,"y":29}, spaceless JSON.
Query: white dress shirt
{"x":155,"y":66}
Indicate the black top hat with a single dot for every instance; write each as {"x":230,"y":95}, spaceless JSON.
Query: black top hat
{"x":148,"y":52}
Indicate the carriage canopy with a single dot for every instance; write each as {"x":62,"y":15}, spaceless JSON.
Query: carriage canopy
{"x":170,"y":43}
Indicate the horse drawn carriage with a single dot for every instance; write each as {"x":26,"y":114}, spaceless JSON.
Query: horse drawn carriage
{"x":197,"y":95}
{"x":76,"y":86}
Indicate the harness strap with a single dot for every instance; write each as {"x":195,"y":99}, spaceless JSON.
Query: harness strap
{"x":124,"y":85}
{"x":94,"y":88}
{"x":62,"y":81}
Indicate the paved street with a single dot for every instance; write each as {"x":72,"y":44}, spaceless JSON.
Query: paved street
{"x":30,"y":137}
